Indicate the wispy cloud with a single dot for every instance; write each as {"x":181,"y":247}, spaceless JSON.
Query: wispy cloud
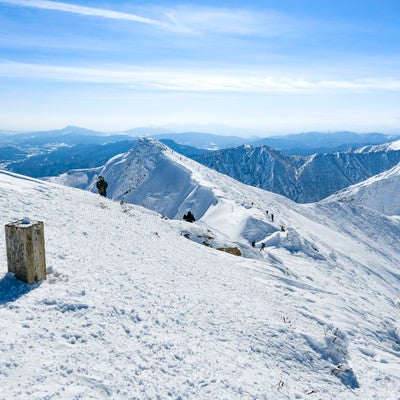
{"x":82,"y":10}
{"x":191,"y":80}
{"x":243,"y":22}
{"x":188,"y":19}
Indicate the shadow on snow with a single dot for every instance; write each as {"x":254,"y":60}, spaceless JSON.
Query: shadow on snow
{"x":12,"y":289}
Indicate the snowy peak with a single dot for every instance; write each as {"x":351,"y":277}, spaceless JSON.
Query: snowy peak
{"x":154,"y":176}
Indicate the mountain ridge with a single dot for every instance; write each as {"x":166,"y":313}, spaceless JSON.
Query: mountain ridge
{"x":303,"y":179}
{"x":380,"y":192}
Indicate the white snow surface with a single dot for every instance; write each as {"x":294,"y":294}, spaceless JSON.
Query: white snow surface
{"x":392,"y":146}
{"x":132,"y":309}
{"x":380,"y":192}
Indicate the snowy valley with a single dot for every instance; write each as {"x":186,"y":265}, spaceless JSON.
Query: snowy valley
{"x":140,"y":304}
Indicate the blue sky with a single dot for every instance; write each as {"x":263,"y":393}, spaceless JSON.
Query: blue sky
{"x":271,"y":66}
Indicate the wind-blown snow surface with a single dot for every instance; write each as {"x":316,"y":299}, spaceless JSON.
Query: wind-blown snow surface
{"x":131,"y":309}
{"x":380,"y":193}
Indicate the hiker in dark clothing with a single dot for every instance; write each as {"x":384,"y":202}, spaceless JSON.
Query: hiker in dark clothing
{"x":102,"y":185}
{"x":189,"y":217}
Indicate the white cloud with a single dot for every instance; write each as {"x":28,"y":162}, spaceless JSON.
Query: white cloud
{"x":197,"y":19}
{"x":193,"y":80}
{"x":82,"y":10}
{"x":188,"y":19}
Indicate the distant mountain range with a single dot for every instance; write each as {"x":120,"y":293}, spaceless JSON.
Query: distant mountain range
{"x":301,"y":177}
{"x":301,"y":143}
{"x":64,"y":158}
{"x":70,"y":135}
{"x":203,"y":140}
{"x":10,"y":153}
{"x":321,"y":142}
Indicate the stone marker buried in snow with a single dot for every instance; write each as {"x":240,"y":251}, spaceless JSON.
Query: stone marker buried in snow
{"x":25,"y":250}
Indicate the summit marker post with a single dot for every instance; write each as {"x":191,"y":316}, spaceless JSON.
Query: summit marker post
{"x":25,"y":250}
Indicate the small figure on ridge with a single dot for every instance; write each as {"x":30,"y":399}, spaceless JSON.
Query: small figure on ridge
{"x":102,"y":185}
{"x":189,"y":217}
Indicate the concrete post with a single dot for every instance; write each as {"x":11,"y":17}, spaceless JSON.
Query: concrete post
{"x":25,"y":250}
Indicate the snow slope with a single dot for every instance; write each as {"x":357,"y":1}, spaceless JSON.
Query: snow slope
{"x":386,"y":147}
{"x":380,"y":193}
{"x":131,"y":309}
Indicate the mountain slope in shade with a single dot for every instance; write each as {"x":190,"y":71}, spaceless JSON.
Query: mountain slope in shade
{"x":303,"y":179}
{"x":133,"y":309}
{"x":380,"y":192}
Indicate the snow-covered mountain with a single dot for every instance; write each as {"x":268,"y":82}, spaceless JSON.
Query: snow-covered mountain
{"x":133,"y":309}
{"x":302,"y":178}
{"x":70,"y":135}
{"x":386,"y":147}
{"x":380,"y":193}
{"x":323,"y":142}
{"x":156,"y":177}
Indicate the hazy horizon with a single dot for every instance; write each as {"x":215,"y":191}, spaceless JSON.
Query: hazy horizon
{"x":275,"y":67}
{"x":218,"y":130}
